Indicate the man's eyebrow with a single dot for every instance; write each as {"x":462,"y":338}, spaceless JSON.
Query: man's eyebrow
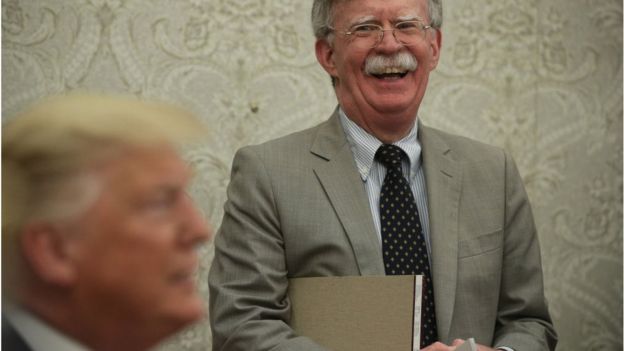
{"x":409,"y":18}
{"x":365,"y":19}
{"x":371,"y":19}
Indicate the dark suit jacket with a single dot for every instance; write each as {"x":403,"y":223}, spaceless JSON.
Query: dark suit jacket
{"x":297,"y":208}
{"x":11,"y":340}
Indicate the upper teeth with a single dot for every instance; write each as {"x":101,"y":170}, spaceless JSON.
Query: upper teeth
{"x":392,"y":70}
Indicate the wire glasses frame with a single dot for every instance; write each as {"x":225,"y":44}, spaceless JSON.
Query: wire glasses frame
{"x":369,"y":35}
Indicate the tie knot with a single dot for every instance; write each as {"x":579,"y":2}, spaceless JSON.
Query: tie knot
{"x":390,"y":155}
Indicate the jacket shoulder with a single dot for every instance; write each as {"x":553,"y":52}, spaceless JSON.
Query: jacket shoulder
{"x":296,"y":144}
{"x":464,"y":148}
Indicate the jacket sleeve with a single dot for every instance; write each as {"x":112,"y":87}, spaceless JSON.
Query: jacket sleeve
{"x":523,"y":321}
{"x":249,"y":307}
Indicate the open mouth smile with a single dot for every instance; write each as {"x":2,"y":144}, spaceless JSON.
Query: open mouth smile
{"x":390,"y":73}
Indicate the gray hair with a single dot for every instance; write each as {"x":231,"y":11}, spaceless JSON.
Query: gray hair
{"x":323,"y":16}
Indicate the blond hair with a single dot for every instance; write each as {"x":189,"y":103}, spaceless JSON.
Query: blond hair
{"x":47,"y":150}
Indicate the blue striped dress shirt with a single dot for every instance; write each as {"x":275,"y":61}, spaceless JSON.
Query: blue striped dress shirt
{"x":364,"y":146}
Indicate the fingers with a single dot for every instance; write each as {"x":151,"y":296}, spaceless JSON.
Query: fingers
{"x":438,"y":346}
{"x":457,"y":342}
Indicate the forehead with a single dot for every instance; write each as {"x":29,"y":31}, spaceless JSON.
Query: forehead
{"x":349,"y":11}
{"x":136,"y":168}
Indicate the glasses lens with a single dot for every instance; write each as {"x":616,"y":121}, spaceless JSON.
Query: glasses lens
{"x":366,"y":36}
{"x":409,"y":33}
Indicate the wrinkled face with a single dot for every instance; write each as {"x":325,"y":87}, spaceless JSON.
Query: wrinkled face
{"x":378,"y":97}
{"x":135,"y":248}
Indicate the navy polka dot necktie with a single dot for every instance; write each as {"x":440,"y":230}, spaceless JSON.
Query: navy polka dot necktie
{"x":403,"y":242}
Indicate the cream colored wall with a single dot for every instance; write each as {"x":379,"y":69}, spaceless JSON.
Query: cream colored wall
{"x":541,"y":78}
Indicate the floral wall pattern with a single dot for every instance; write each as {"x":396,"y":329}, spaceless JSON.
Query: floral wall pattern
{"x":540,"y":78}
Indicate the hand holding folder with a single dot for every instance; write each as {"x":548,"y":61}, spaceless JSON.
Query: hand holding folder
{"x":363,"y":313}
{"x":468,"y":345}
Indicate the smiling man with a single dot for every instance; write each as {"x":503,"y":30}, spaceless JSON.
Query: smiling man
{"x":373,"y":191}
{"x":99,"y":238}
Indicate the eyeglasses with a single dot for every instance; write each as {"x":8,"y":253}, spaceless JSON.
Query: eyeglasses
{"x":368,"y":35}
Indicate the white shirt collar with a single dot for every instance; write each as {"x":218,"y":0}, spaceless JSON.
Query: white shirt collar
{"x":39,"y":335}
{"x":364,"y":146}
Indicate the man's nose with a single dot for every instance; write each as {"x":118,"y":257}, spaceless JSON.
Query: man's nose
{"x":195,"y":227}
{"x":388,"y":42}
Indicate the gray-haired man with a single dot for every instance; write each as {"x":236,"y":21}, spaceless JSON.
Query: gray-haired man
{"x":312,"y":203}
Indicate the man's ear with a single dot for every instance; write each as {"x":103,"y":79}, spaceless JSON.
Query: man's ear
{"x":436,"y":45}
{"x":46,"y":250}
{"x":325,"y":56}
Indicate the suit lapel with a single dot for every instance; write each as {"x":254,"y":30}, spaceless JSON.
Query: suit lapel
{"x":339,"y":178}
{"x":342,"y":183}
{"x":443,"y":178}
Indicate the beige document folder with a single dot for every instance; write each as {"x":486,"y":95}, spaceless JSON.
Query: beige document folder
{"x":358,"y":313}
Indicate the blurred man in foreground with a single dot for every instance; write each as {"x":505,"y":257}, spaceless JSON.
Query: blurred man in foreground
{"x":99,"y":234}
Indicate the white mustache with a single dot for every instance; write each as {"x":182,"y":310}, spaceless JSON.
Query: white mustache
{"x":378,"y":64}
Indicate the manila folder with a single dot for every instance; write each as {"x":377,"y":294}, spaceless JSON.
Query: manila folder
{"x":358,"y":313}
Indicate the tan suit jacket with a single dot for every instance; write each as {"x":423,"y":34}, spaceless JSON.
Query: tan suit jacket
{"x":297,"y":207}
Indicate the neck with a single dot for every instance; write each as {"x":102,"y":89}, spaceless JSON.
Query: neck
{"x":387,"y":128}
{"x":388,"y":125}
{"x":390,"y":136}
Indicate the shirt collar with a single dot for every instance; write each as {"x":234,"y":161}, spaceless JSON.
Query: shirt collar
{"x":37,"y":334}
{"x":364,"y":146}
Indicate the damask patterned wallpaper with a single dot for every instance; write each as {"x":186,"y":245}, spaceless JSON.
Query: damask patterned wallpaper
{"x":541,"y":78}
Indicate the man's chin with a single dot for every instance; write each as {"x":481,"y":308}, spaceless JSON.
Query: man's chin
{"x":181,"y":315}
{"x":394,"y":106}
